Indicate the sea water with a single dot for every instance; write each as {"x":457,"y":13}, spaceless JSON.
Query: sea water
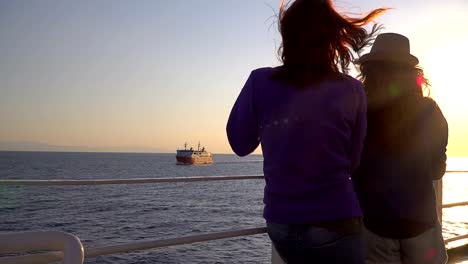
{"x":115,"y":214}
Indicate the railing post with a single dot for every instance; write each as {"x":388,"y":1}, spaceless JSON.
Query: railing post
{"x":69,"y":244}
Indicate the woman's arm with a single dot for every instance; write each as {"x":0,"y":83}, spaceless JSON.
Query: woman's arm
{"x":242,"y":126}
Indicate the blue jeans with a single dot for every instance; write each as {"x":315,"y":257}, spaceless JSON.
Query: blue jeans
{"x":311,"y":244}
{"x":426,"y":248}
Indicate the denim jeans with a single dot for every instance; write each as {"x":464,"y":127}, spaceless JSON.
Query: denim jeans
{"x":426,"y":248}
{"x":311,"y":244}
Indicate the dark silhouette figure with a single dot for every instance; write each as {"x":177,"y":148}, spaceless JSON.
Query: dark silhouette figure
{"x":404,"y":152}
{"x":310,"y":118}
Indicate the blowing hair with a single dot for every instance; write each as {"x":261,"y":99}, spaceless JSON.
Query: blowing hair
{"x":396,"y":104}
{"x":317,"y":41}
{"x":392,"y":81}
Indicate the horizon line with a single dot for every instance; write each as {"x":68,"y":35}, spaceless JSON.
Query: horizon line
{"x":128,"y":152}
{"x":111,"y":152}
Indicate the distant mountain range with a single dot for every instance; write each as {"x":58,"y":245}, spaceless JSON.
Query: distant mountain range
{"x":39,"y":146}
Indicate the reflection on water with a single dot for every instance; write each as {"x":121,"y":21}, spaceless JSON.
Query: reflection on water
{"x":455,"y":220}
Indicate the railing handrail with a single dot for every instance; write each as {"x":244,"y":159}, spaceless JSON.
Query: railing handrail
{"x":151,"y":180}
{"x":126,"y":181}
{"x":452,"y":239}
{"x":144,"y":245}
{"x":57,"y":182}
{"x":454,"y":204}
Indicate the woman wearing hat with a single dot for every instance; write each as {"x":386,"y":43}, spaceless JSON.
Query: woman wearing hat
{"x":310,"y":119}
{"x":403,"y":153}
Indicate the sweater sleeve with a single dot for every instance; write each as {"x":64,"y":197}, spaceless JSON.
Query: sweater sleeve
{"x":242,"y":126}
{"x":438,"y":127}
{"x":359,"y":131}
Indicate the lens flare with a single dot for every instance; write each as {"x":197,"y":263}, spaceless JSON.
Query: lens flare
{"x":393,"y":90}
{"x":420,"y":80}
{"x":430,"y":254}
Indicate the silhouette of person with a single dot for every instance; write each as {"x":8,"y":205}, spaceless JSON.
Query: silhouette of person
{"x":310,"y":119}
{"x":404,"y":151}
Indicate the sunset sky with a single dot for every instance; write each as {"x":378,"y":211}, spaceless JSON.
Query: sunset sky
{"x":144,"y":76}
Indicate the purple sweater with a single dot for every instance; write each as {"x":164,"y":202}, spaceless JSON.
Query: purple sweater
{"x":311,"y":141}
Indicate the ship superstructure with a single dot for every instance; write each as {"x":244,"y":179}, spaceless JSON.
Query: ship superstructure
{"x":191,"y":156}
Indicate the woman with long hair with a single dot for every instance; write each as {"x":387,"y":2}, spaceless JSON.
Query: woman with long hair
{"x":310,"y":118}
{"x":404,"y":151}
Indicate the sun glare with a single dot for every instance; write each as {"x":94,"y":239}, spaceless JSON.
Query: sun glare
{"x":444,"y":66}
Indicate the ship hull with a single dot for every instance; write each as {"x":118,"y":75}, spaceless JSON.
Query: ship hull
{"x":194,"y":160}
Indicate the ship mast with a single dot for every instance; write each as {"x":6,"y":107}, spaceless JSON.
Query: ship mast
{"x":198,"y":145}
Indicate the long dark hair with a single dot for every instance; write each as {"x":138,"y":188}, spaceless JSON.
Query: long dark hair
{"x":390,"y":83}
{"x":317,"y":40}
{"x":396,"y":104}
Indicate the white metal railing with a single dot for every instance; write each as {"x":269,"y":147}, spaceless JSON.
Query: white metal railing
{"x":453,"y":239}
{"x":122,"y":248}
{"x":137,"y":180}
{"x":115,"y":249}
{"x":69,"y":246}
{"x":455,"y":204}
{"x":125,"y":181}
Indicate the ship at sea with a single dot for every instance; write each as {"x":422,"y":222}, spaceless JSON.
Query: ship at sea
{"x":191,"y":156}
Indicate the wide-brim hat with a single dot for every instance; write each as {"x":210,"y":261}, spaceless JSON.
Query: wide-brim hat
{"x":390,"y":47}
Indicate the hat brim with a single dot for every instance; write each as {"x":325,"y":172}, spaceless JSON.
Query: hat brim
{"x":389,"y":57}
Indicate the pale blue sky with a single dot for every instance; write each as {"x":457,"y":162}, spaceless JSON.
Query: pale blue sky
{"x":150,"y":75}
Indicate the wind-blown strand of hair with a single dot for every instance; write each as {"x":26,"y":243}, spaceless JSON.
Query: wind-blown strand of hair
{"x":318,"y":41}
